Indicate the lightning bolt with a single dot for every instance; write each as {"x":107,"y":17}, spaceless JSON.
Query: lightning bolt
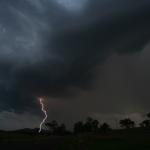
{"x":45,"y":113}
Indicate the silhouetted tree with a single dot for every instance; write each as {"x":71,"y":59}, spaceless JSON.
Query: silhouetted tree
{"x":91,"y":125}
{"x":52,"y":126}
{"x":79,"y":127}
{"x":148,"y":115}
{"x":145,"y":124}
{"x":57,"y":129}
{"x":95,"y":125}
{"x":61,"y":130}
{"x":88,"y":125}
{"x":105,"y":127}
{"x":127,"y":123}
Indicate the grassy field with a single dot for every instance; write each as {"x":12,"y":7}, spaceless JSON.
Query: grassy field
{"x":126,"y":141}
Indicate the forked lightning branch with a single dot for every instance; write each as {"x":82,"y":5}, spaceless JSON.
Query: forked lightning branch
{"x":45,"y":113}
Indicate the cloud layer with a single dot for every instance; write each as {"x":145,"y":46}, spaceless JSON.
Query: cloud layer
{"x":60,"y":49}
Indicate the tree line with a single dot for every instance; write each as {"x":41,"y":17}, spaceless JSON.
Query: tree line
{"x":93,"y":126}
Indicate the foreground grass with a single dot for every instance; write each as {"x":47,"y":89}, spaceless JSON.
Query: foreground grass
{"x":81,"y":142}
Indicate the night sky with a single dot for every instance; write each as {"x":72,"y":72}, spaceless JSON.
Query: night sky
{"x":86,"y":57}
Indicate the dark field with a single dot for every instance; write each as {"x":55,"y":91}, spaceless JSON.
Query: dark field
{"x":113,"y":141}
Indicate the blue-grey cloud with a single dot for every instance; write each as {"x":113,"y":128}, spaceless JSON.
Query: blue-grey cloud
{"x":46,"y":48}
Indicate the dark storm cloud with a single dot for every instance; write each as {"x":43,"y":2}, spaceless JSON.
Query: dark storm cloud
{"x":46,"y":48}
{"x":82,"y":47}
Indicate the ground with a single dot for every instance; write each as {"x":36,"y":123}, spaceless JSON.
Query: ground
{"x":113,"y":141}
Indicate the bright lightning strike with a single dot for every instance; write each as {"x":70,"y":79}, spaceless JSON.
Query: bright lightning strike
{"x":45,"y":113}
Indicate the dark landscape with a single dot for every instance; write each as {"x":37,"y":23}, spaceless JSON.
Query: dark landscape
{"x":75,"y":74}
{"x":124,"y":140}
{"x":86,"y":136}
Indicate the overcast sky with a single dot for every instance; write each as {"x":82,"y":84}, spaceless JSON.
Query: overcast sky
{"x":87,"y":57}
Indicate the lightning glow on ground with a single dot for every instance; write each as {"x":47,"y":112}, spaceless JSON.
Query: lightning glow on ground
{"x":45,"y":113}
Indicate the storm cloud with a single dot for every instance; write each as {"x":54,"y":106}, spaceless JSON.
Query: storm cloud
{"x":60,"y":49}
